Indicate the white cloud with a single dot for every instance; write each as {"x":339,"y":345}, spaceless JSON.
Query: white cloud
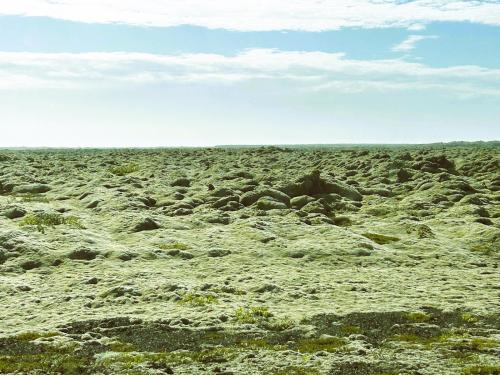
{"x":417,"y":27}
{"x":297,"y":70}
{"x":410,"y":43}
{"x":256,"y":15}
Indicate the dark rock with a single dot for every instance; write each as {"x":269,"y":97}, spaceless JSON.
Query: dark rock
{"x":32,"y":188}
{"x":222,"y":192}
{"x":266,"y":288}
{"x":92,"y":281}
{"x":30,"y":264}
{"x":218,"y":253}
{"x":216,"y":218}
{"x":297,"y":254}
{"x":127,"y":255}
{"x":14,"y":213}
{"x":183,"y":212}
{"x":183,"y":181}
{"x":83,"y":254}
{"x":145,"y":224}
{"x":232,"y":206}
{"x":120,"y":291}
{"x":225,"y":200}
{"x":148,"y":201}
{"x":178,"y":196}
{"x":185,"y":255}
{"x":93,"y":204}
{"x":484,"y":220}
{"x":403,"y":175}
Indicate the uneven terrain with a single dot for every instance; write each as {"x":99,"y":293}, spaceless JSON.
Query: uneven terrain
{"x":260,"y":260}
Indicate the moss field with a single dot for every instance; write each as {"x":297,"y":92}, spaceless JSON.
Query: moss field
{"x":363,"y":260}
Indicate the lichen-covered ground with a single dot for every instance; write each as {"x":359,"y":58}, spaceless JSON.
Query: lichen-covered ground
{"x":359,"y":260}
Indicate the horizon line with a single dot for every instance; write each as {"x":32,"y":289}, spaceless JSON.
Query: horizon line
{"x":288,"y":145}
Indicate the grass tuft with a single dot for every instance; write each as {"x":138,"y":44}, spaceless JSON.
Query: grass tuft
{"x":482,"y":370}
{"x":418,"y":317}
{"x":44,"y":220}
{"x":123,"y":170}
{"x":252,"y":315}
{"x":327,"y":344}
{"x":195,"y":299}
{"x":29,"y":197}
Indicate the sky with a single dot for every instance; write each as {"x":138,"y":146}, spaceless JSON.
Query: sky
{"x":153,"y":73}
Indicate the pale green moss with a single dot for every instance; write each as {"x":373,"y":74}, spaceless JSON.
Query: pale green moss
{"x":197,"y":299}
{"x":124,"y":169}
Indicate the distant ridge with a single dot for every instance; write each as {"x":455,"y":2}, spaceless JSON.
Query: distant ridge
{"x":373,"y":145}
{"x":489,"y":144}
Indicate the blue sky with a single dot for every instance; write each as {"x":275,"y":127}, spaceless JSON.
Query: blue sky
{"x":128,"y":73}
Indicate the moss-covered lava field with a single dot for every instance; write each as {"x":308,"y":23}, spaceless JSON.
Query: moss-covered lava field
{"x":363,"y":260}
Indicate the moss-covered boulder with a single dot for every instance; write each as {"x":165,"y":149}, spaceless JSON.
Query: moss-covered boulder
{"x":269,"y":203}
{"x":251,"y":197}
{"x":313,"y":184}
{"x":300,"y":201}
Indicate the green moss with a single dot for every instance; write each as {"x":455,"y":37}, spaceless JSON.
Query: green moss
{"x":29,"y":336}
{"x":280,"y":324}
{"x":252,"y":315}
{"x":30,"y":197}
{"x":342,"y":221}
{"x":44,"y":220}
{"x":198,"y":299}
{"x":173,"y":246}
{"x":469,"y":318}
{"x":418,"y":317}
{"x":482,"y":370}
{"x":476,"y":344}
{"x":295,"y":370}
{"x":132,"y":360}
{"x":127,"y":360}
{"x":124,"y":169}
{"x":425,"y":341}
{"x":451,"y":341}
{"x":327,"y":344}
{"x":485,"y":249}
{"x":380,"y":239}
{"x":215,"y":355}
{"x":46,"y":364}
{"x":261,"y":344}
{"x":119,"y":346}
{"x":348,"y":329}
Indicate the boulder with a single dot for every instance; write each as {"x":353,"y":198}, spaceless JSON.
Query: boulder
{"x":313,"y":184}
{"x":268,"y":203}
{"x":182,"y":181}
{"x":32,"y":189}
{"x":300,"y":201}
{"x":249,"y":198}
{"x":14,"y":212}
{"x":145,"y":224}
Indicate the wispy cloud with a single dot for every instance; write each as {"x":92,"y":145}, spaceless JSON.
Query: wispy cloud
{"x":410,"y":43}
{"x":297,"y":70}
{"x":248,"y":15}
